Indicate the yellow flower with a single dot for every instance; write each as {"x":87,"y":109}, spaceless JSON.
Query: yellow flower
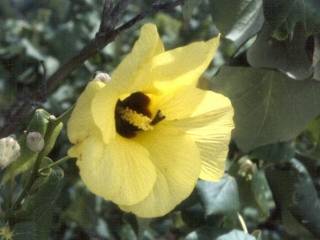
{"x":144,"y":138}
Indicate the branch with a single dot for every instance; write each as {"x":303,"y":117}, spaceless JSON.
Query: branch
{"x":108,"y":31}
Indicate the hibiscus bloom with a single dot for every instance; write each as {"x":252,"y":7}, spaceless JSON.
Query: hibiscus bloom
{"x":144,"y":138}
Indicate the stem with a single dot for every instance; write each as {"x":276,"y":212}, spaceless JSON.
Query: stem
{"x":56,"y":163}
{"x":243,"y":223}
{"x":30,"y":182}
{"x":64,"y":116}
{"x":34,"y":172}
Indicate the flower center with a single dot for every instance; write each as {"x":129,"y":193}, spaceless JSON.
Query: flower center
{"x":132,"y":115}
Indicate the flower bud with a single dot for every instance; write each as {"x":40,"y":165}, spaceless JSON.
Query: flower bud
{"x":103,"y":77}
{"x":9,"y":151}
{"x":246,"y":168}
{"x":35,"y":141}
{"x":52,"y":117}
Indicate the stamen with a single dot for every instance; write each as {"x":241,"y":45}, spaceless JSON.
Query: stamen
{"x":133,"y":115}
{"x":158,"y":118}
{"x":136,"y":119}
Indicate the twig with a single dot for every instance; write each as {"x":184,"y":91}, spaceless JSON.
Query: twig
{"x":106,"y":34}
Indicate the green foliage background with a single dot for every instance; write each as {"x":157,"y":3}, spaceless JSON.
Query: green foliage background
{"x":268,"y":65}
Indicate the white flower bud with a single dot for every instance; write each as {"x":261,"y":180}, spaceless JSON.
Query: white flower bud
{"x":9,"y":151}
{"x":35,"y":141}
{"x":103,"y":77}
{"x":52,"y":117}
{"x":246,"y":168}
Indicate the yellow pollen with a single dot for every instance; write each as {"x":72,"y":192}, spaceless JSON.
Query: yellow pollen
{"x":136,"y":119}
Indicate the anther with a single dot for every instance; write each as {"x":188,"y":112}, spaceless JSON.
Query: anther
{"x":133,"y":115}
{"x":136,"y":119}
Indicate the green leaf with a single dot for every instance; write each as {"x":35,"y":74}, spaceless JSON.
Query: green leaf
{"x":250,"y":194}
{"x":205,"y":233}
{"x":316,"y":59}
{"x":289,"y":56}
{"x":126,"y":232}
{"x":237,"y":20}
{"x":269,"y":107}
{"x":236,"y":235}
{"x":54,"y":129}
{"x":193,"y":216}
{"x":38,"y":123}
{"x":257,"y":234}
{"x":82,"y":209}
{"x":44,"y":192}
{"x":293,"y":227}
{"x":296,"y":197}
{"x":219,"y":197}
{"x":47,"y":127}
{"x":276,"y":152}
{"x":310,"y":147}
{"x":284,"y":15}
{"x":262,"y":193}
{"x":24,"y":230}
{"x":38,"y":207}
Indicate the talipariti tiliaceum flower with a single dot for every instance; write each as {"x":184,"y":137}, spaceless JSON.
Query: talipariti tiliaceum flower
{"x":143,"y":138}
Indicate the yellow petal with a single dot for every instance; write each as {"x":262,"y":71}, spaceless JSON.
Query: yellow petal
{"x":81,"y":123}
{"x":129,"y":75}
{"x":75,"y":151}
{"x":177,"y":160}
{"x":178,"y":103}
{"x":210,"y":126}
{"x":120,"y":171}
{"x":183,"y":65}
{"x":103,"y":112}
